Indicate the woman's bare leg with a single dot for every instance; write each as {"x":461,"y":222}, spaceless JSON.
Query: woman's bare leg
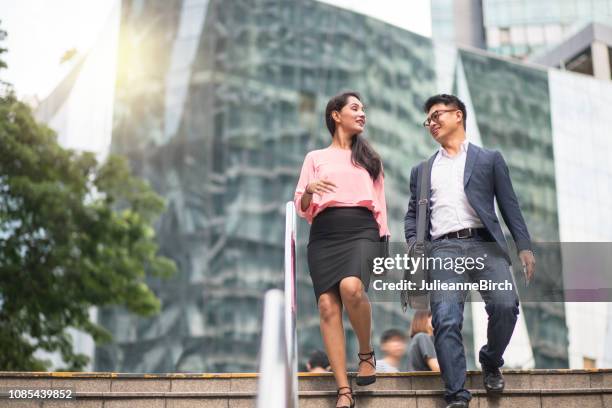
{"x":359,"y":311}
{"x":332,"y":331}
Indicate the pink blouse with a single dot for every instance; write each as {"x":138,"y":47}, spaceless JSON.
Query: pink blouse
{"x":355,"y":187}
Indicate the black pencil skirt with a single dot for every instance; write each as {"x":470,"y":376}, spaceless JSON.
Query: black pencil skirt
{"x":343,"y":241}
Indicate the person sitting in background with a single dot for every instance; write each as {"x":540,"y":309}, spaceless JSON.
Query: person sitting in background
{"x":421,"y":351}
{"x":318,"y":362}
{"x":393,"y":346}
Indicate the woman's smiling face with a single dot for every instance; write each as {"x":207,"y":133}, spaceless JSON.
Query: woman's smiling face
{"x":351,"y":118}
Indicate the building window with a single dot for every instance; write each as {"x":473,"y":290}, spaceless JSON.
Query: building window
{"x":493,"y":40}
{"x":582,"y":63}
{"x":535,"y":35}
{"x":504,"y":35}
{"x":553,"y":34}
{"x":517,"y":35}
{"x":306,"y":109}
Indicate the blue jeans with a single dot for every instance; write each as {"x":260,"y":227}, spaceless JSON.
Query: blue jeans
{"x":502,"y":307}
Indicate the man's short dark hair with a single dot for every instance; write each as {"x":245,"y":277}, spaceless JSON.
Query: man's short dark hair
{"x":448,"y":100}
{"x":391,"y":334}
{"x":318,"y":358}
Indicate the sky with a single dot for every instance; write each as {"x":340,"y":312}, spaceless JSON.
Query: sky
{"x":412,"y":15}
{"x":41,"y":31}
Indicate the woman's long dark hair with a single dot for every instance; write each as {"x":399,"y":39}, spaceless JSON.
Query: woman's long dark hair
{"x":362,"y":154}
{"x":420,"y":323}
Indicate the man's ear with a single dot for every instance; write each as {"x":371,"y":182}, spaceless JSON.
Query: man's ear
{"x":460,"y":115}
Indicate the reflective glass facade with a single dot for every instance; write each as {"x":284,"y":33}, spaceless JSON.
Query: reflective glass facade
{"x":458,"y":22}
{"x":217,"y":102}
{"x":522,"y":27}
{"x":443,"y":20}
{"x":517,"y":28}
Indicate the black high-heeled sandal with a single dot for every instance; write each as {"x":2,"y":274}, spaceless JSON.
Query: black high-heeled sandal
{"x":348,"y":394}
{"x":365,"y":358}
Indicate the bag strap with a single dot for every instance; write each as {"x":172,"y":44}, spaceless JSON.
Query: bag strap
{"x":423,"y":203}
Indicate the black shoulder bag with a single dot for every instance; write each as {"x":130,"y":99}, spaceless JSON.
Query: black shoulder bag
{"x":419,"y":299}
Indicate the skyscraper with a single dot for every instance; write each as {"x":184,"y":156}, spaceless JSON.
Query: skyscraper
{"x":515,"y":28}
{"x":588,"y":51}
{"x":459,"y":22}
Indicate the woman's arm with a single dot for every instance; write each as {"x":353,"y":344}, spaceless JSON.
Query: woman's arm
{"x":302,"y":199}
{"x":306,"y":199}
{"x":433,"y":365}
{"x":318,"y":187}
{"x":379,"y":191}
{"x":307,"y":186}
{"x":428,"y":352}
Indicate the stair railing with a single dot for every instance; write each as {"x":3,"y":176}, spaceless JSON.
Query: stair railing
{"x":277,"y":386}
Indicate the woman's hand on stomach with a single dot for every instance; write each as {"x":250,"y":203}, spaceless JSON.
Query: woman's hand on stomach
{"x":321,"y":187}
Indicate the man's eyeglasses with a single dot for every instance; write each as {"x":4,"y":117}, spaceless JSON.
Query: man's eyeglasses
{"x":436,"y":115}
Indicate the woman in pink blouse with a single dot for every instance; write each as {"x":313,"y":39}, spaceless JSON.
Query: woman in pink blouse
{"x":341,"y":193}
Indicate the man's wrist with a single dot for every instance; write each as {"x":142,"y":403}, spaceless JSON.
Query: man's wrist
{"x":524,"y":245}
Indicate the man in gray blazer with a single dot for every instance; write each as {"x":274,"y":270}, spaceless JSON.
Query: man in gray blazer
{"x":461,"y":222}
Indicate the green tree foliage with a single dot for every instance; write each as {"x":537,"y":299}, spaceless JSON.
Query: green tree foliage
{"x":2,"y":50}
{"x":73,"y":234}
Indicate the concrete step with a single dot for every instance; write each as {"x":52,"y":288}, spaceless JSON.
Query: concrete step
{"x":524,"y":389}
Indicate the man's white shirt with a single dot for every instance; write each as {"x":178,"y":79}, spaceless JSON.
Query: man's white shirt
{"x":450,"y":208}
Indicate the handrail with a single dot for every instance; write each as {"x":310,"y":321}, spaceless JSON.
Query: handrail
{"x":273,"y":388}
{"x":291,"y":295}
{"x":277,"y":386}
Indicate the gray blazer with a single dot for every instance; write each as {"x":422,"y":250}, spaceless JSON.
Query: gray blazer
{"x":486,"y":177}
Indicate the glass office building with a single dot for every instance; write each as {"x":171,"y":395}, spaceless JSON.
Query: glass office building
{"x":517,"y":28}
{"x":522,"y":27}
{"x":216,"y":104}
{"x":458,"y":22}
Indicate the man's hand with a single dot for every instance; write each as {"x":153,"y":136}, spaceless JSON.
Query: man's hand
{"x":320,"y":187}
{"x":528,"y":261}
